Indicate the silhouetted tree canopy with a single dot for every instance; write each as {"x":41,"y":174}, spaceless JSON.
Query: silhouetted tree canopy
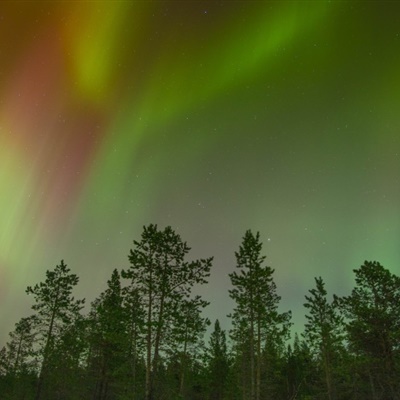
{"x":143,"y":336}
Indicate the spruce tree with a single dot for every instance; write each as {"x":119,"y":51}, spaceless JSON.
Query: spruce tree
{"x":55,"y":308}
{"x":109,"y":339}
{"x":218,"y":363}
{"x":17,"y":362}
{"x":301,"y":371}
{"x":324,"y":332}
{"x":185,"y":335}
{"x":135,"y":328}
{"x":20,"y":347}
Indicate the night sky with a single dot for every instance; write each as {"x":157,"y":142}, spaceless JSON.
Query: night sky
{"x":211,"y":117}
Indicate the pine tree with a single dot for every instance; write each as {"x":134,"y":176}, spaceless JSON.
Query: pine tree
{"x":256,"y":314}
{"x":17,"y":364}
{"x":185,"y":334}
{"x":109,"y":339}
{"x":218,"y":363}
{"x":21,"y":344}
{"x":135,"y":317}
{"x":66,"y":376}
{"x":163,"y":278}
{"x":56,"y":308}
{"x":301,"y":371}
{"x":373,"y":325}
{"x":324,"y":332}
{"x":4,"y":364}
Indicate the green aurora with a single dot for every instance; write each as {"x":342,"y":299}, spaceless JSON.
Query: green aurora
{"x":210,"y":116}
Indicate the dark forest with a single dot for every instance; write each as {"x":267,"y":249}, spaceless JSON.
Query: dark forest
{"x":144,"y":336}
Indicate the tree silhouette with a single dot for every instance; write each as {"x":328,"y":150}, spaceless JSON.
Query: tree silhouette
{"x":255,"y":316}
{"x":56,"y":308}
{"x":109,"y":339}
{"x":373,"y":325}
{"x":218,"y":363}
{"x":164,"y":279}
{"x":143,"y":335}
{"x":324,"y":331}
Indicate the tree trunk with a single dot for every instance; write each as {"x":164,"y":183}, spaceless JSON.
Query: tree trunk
{"x":18,"y":354}
{"x":372,"y":385}
{"x":183,"y":366}
{"x":133,"y":351}
{"x":258,"y":372}
{"x":252,"y":369}
{"x":45,"y":352}
{"x":148,"y":344}
{"x":328,"y":377}
{"x":157,"y":346}
{"x":327,"y":368}
{"x":244,"y":380}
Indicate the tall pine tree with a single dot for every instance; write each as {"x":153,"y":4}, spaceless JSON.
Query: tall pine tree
{"x":55,"y":308}
{"x":185,"y":335}
{"x":163,"y":278}
{"x":373,"y":325}
{"x":255,"y":315}
{"x":109,"y":339}
{"x":324,"y":333}
{"x":218,"y":364}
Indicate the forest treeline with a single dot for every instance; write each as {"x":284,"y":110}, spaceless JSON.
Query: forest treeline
{"x":143,"y":336}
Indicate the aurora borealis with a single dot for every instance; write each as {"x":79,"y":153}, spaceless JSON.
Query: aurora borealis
{"x":210,"y":116}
